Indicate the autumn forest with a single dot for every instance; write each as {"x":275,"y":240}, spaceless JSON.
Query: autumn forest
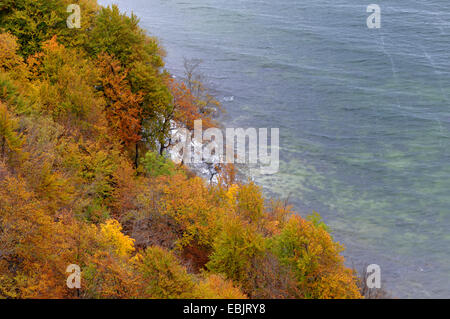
{"x":85,"y":122}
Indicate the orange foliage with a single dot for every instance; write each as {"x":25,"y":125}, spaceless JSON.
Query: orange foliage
{"x":122,"y":109}
{"x":193,"y":206}
{"x":186,"y":108}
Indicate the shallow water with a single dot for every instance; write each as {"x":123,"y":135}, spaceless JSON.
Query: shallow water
{"x":364,"y":115}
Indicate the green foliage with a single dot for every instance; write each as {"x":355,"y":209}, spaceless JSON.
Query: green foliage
{"x":10,"y":95}
{"x":314,"y":258}
{"x":235,"y":250}
{"x":8,"y":53}
{"x":10,"y":139}
{"x":157,"y":165}
{"x":317,"y":220}
{"x":33,"y":22}
{"x":36,"y":21}
{"x":121,"y":37}
{"x":250,"y":202}
{"x":163,"y":276}
{"x":64,"y":85}
{"x":96,"y":212}
{"x":117,"y":34}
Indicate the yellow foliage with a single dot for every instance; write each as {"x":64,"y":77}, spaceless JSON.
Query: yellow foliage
{"x":9,"y":59}
{"x":162,"y":275}
{"x":217,"y":287}
{"x":10,"y":139}
{"x":235,"y":249}
{"x":193,"y":206}
{"x":113,"y":236}
{"x":250,"y":203}
{"x":314,"y":257}
{"x":231,"y":194}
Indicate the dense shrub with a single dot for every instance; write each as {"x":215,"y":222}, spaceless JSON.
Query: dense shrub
{"x":313,"y":256}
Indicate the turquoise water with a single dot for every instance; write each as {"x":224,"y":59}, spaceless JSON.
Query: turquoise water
{"x":364,"y":115}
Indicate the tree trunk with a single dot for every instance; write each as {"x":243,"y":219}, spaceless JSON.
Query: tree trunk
{"x":136,"y":158}
{"x":3,"y":147}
